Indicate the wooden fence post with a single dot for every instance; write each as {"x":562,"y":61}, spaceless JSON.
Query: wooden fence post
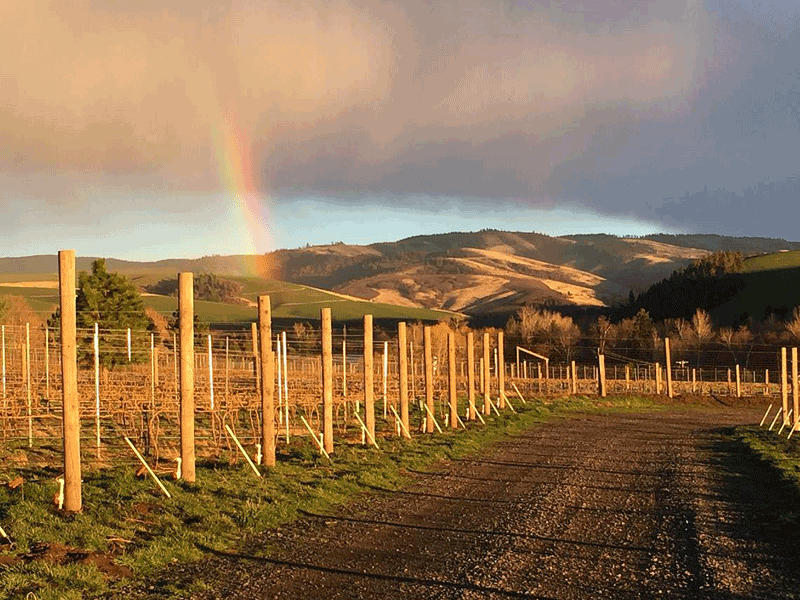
{"x":658,"y":378}
{"x":344,"y":364}
{"x":452,"y":381}
{"x":601,"y":367}
{"x":487,"y":378}
{"x":784,"y":387}
{"x":266,"y":364}
{"x":574,"y":378}
{"x":69,"y":382}
{"x":471,"y":375}
{"x":668,"y":360}
{"x":256,"y":354}
{"x":738,"y":382}
{"x":186,"y":331}
{"x":327,"y":379}
{"x":426,"y":334}
{"x":402,"y":367}
{"x":369,"y":390}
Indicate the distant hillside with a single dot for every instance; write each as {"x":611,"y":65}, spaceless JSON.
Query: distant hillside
{"x":714,"y":243}
{"x":734,"y":291}
{"x":473,"y":272}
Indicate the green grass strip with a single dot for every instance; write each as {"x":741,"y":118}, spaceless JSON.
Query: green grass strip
{"x":128,"y":518}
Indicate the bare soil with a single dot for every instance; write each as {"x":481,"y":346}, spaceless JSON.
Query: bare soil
{"x":661,"y":505}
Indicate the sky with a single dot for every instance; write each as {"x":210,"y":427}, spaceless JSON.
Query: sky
{"x":147,"y":129}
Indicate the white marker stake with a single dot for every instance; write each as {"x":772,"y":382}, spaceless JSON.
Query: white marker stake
{"x":400,"y":422}
{"x":430,"y":414}
{"x":316,"y":439}
{"x":4,"y":361}
{"x":777,"y":414}
{"x":47,"y":359}
{"x":285,"y":385}
{"x":280,"y":379}
{"x":129,"y":344}
{"x":97,"y":384}
{"x":210,"y":372}
{"x":765,"y":416}
{"x":516,"y":389}
{"x":385,"y":375}
{"x":364,"y":429}
{"x":60,"y":496}
{"x":788,"y":418}
{"x":241,"y":449}
{"x":149,"y":470}
{"x":28,"y":382}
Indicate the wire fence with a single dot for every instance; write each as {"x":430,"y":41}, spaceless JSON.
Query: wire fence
{"x":128,"y":384}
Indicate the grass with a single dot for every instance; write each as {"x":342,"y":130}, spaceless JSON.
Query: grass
{"x":779,"y":260}
{"x":781,"y":454}
{"x":124,"y":516}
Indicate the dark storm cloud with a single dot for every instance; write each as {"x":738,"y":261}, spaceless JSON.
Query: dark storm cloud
{"x":613,"y":106}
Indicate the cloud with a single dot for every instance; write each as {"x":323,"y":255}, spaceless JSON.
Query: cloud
{"x":358,"y":99}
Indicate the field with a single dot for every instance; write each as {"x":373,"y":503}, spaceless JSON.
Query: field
{"x":778,"y":260}
{"x":289,"y":300}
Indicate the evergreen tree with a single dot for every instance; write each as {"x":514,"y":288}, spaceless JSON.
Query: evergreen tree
{"x":111,"y":301}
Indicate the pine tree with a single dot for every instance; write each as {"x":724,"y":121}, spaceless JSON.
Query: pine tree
{"x":111,"y":301}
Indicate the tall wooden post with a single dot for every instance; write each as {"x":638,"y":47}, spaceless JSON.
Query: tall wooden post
{"x":658,"y":378}
{"x":344,"y":364}
{"x":426,"y":335}
{"x":402,"y":368}
{"x":266,"y":365}
{"x":186,"y":332}
{"x":256,"y":354}
{"x":601,"y":367}
{"x":327,"y":379}
{"x":784,"y":387}
{"x":385,"y":380}
{"x":369,"y":390}
{"x":738,"y":382}
{"x":668,"y":359}
{"x":574,"y":378}
{"x":452,"y":381}
{"x":501,"y":371}
{"x":471,"y":375}
{"x":795,"y":386}
{"x":69,"y":383}
{"x":487,"y":379}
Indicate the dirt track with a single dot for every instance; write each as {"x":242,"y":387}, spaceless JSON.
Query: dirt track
{"x":612,"y":506}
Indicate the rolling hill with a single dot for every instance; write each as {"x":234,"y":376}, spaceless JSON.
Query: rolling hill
{"x":487,"y":271}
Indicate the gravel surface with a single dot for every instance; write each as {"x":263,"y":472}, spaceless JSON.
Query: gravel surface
{"x":616,"y":506}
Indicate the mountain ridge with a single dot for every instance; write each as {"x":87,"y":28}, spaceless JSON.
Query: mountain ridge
{"x":473,"y":272}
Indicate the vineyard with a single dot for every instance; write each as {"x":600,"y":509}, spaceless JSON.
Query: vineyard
{"x":139,"y":396}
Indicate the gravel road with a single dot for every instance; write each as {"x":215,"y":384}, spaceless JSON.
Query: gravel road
{"x":655,"y":505}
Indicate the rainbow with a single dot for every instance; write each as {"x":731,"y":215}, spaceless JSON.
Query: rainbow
{"x":247,"y":210}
